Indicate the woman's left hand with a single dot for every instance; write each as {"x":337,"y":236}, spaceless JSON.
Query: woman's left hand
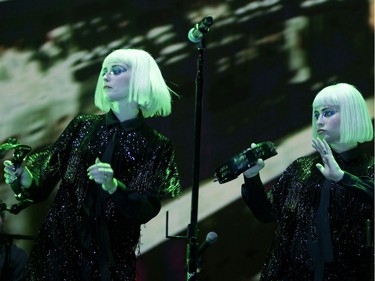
{"x":330,"y":169}
{"x":102,"y":173}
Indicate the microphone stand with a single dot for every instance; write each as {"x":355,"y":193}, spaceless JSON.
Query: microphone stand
{"x":195,"y":35}
{"x":191,"y":251}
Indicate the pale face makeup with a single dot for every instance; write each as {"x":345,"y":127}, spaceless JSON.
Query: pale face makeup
{"x":116,"y":77}
{"x":327,"y":122}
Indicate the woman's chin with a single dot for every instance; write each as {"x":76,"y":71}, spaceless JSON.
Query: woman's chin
{"x":108,"y":97}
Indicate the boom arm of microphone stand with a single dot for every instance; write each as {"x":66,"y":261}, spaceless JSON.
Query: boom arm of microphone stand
{"x":167,"y":227}
{"x":16,"y":208}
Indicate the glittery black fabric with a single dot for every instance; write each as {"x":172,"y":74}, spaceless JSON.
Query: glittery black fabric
{"x":67,"y":246}
{"x":293,"y":203}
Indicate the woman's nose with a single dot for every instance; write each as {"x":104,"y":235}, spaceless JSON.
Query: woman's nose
{"x":106,"y":78}
{"x":319,"y":121}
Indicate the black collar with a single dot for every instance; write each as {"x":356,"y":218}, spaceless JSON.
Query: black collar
{"x":352,"y":153}
{"x":128,"y":125}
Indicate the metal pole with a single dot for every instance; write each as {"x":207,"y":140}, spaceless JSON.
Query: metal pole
{"x":191,"y":252}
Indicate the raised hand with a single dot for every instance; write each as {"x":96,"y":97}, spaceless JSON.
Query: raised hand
{"x":330,"y":169}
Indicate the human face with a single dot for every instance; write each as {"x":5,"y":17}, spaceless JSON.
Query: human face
{"x":116,"y":77}
{"x":327,"y":122}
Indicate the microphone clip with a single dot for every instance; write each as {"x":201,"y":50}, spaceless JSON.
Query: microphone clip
{"x":196,"y":34}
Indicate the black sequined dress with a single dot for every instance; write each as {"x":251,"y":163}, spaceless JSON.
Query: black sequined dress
{"x":89,"y":234}
{"x":323,"y":228}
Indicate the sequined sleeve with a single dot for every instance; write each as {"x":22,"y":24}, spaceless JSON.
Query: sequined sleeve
{"x":167,"y":176}
{"x":266,"y":206}
{"x":282,"y":188}
{"x":140,"y":207}
{"x":256,"y":199}
{"x":48,"y":165}
{"x":362,"y":186}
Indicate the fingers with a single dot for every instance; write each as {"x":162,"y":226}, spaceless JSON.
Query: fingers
{"x":326,"y":148}
{"x":9,"y":166}
{"x":320,"y":168}
{"x":322,"y":147}
{"x":9,"y":178}
{"x":329,"y":169}
{"x":100,"y":172}
{"x":98,"y":165}
{"x":317,"y":145}
{"x":101,"y":176}
{"x":8,"y":163}
{"x":260,"y":163}
{"x":10,"y":172}
{"x":94,"y":169}
{"x":254,"y":170}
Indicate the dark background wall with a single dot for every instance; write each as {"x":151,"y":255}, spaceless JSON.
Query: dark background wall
{"x":264,"y":62}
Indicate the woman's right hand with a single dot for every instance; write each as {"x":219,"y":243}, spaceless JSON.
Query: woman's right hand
{"x":11,"y":174}
{"x":254,"y":170}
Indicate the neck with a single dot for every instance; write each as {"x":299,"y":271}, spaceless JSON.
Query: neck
{"x":341,"y":147}
{"x":125,"y":111}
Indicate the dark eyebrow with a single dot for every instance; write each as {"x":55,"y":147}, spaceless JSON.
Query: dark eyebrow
{"x":325,"y":109}
{"x":328,"y":108}
{"x":113,"y":66}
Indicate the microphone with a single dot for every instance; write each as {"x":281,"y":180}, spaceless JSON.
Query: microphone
{"x":211,"y":238}
{"x":195,"y":34}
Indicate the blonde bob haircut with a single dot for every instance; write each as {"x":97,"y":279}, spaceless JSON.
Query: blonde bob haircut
{"x":355,"y":120}
{"x":147,"y":86}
